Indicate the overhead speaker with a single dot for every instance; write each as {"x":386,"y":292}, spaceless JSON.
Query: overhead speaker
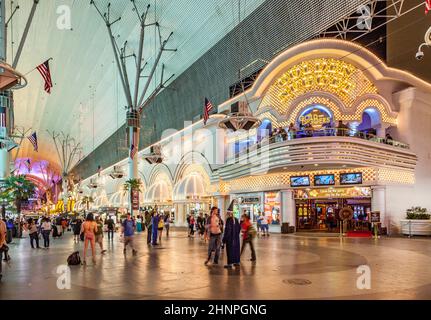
{"x":239,"y":118}
{"x":155,"y":155}
{"x":93,"y":184}
{"x":117,"y":173}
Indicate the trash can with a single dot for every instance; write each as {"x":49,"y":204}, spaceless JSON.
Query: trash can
{"x":285,"y":227}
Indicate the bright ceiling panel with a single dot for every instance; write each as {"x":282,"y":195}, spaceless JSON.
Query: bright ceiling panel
{"x":87,"y":100}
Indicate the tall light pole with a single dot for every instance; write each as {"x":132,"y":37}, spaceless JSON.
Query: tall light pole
{"x":10,"y":79}
{"x":135,"y":106}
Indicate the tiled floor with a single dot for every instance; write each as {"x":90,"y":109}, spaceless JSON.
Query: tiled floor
{"x":288,"y":267}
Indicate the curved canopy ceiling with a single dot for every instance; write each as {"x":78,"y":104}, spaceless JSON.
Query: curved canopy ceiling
{"x":87,"y":100}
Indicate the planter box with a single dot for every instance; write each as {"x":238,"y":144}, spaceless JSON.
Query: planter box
{"x":416,"y":227}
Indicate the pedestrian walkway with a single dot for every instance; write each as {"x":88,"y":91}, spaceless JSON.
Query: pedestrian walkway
{"x":286,"y":268}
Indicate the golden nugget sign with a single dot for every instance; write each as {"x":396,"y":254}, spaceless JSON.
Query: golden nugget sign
{"x":315,"y":118}
{"x":324,"y":74}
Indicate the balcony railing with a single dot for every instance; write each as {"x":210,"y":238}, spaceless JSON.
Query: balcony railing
{"x":327,"y":132}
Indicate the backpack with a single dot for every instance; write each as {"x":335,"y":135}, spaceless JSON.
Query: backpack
{"x":161,"y":224}
{"x":74,"y":259}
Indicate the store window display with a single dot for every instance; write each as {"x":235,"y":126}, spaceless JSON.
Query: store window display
{"x":272,"y":208}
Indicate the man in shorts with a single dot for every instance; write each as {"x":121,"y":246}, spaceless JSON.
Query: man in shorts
{"x":99,"y":234}
{"x":128,"y":230}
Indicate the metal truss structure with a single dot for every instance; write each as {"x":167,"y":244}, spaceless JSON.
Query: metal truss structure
{"x":121,"y":55}
{"x":19,"y":134}
{"x":369,"y":18}
{"x":68,"y":150}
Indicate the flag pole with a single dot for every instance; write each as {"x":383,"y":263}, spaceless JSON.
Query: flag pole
{"x":37,"y":66}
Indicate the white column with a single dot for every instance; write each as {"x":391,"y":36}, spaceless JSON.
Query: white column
{"x":378,"y":203}
{"x":4,"y":164}
{"x":179,"y":215}
{"x":65,"y":192}
{"x":133,"y":165}
{"x":221,"y":204}
{"x":288,"y":208}
{"x":220,"y":146}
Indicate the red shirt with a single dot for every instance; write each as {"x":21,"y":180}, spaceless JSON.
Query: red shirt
{"x":244,"y":226}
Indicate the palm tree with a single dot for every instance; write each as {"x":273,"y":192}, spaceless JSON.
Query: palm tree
{"x":18,"y":189}
{"x":132,"y":184}
{"x":87,"y":200}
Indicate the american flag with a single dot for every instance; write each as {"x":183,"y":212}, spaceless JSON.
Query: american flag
{"x":3,"y":117}
{"x":207,"y":108}
{"x":134,"y":146}
{"x":427,"y":6}
{"x":28,"y":165}
{"x":46,"y":75}
{"x":33,"y":140}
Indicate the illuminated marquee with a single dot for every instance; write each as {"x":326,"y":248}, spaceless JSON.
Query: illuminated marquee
{"x":315,"y":117}
{"x":356,"y":192}
{"x":324,"y":74}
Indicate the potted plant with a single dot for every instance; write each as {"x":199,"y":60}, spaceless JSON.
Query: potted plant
{"x":417,"y":222}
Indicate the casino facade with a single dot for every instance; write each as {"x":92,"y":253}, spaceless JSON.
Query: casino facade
{"x":356,"y":145}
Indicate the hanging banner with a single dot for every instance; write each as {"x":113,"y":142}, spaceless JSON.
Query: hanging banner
{"x":135,"y":199}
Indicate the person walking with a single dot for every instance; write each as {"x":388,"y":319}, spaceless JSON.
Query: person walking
{"x":89,"y":228}
{"x":248,"y":233}
{"x":46,"y":231}
{"x":149,"y":225}
{"x":99,"y":234}
{"x":33,"y":233}
{"x":192,"y":226}
{"x":168,"y":222}
{"x":110,"y":224}
{"x":128,"y":231}
{"x":160,"y":227}
{"x":155,"y":227}
{"x":59,"y":226}
{"x":231,"y":239}
{"x":3,"y":246}
{"x":77,"y":229}
{"x":64,"y":225}
{"x":201,"y":225}
{"x":214,"y":234}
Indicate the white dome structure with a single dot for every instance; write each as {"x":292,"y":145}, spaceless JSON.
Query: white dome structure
{"x":159,"y":193}
{"x":191,"y":187}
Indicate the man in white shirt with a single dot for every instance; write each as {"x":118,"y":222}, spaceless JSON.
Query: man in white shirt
{"x":46,"y":231}
{"x":264,"y":225}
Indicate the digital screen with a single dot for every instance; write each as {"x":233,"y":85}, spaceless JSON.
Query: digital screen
{"x":302,"y":181}
{"x":324,"y":180}
{"x":351,"y":178}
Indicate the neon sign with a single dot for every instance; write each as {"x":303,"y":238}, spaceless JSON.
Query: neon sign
{"x":315,"y":117}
